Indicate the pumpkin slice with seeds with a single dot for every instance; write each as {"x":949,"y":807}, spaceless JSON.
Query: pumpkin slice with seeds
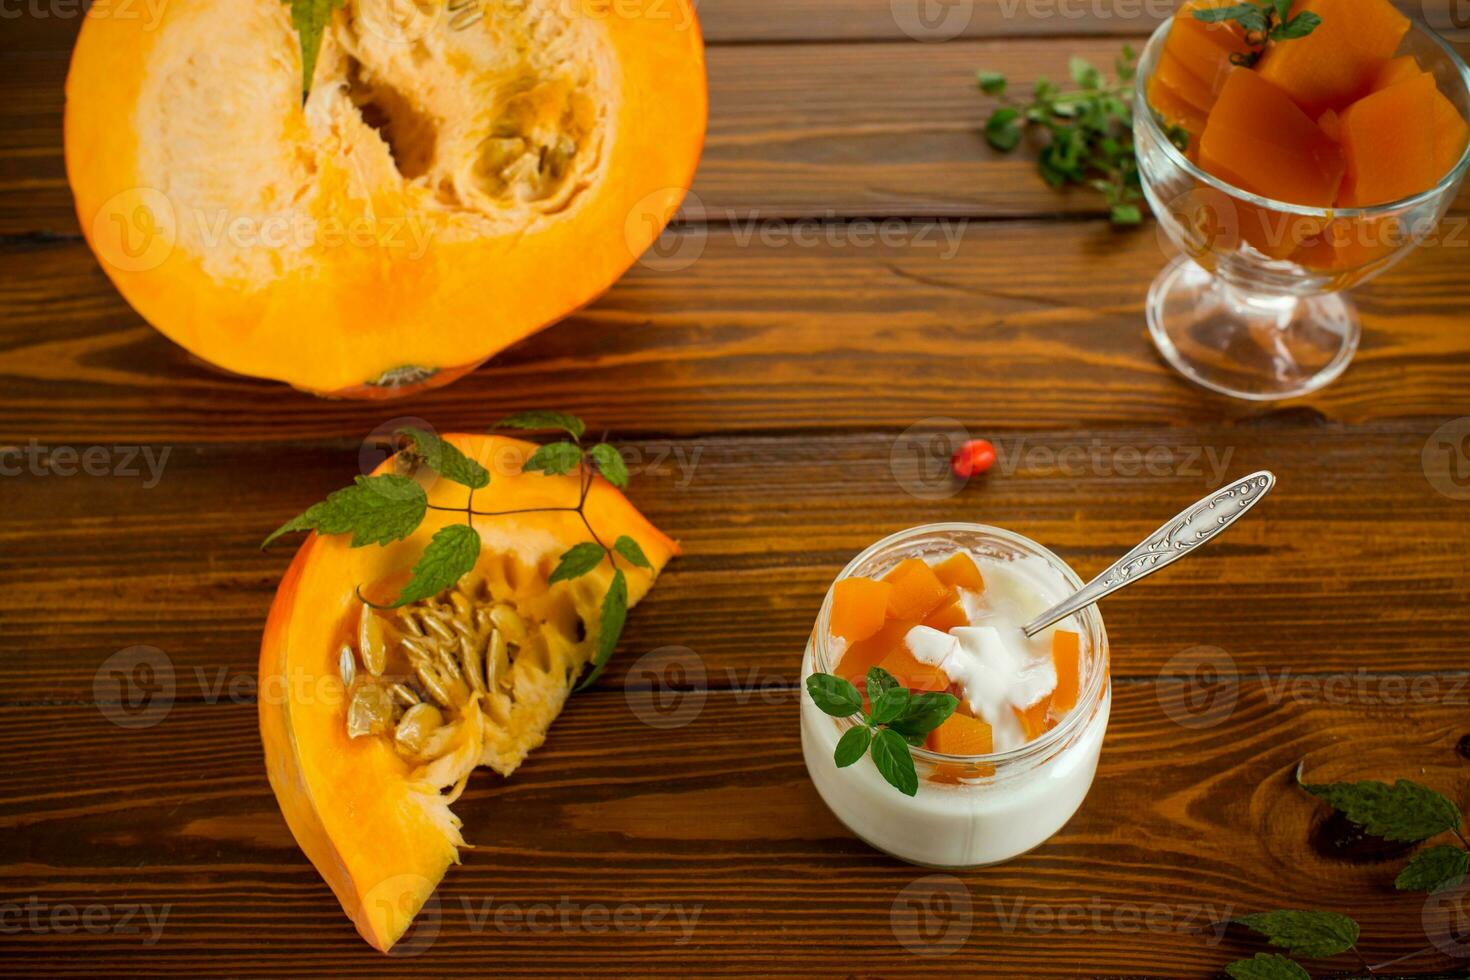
{"x":374,"y":719}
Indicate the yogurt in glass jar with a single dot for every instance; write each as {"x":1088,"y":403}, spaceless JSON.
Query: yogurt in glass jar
{"x":971,"y":810}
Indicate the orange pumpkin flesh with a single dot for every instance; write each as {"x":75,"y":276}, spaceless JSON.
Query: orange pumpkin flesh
{"x":441,"y":194}
{"x":1338,"y":61}
{"x":375,"y":824}
{"x":1389,"y":140}
{"x":1268,"y":145}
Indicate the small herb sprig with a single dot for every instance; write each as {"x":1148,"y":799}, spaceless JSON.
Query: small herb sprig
{"x":897,"y":719}
{"x":310,"y":18}
{"x":390,"y":507}
{"x":1089,"y":132}
{"x":1404,"y":812}
{"x":1262,"y":21}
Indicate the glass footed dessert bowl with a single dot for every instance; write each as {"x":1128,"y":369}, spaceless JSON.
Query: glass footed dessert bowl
{"x":1254,"y":307}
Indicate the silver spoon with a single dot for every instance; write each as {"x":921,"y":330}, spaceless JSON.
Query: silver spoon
{"x":1199,"y":522}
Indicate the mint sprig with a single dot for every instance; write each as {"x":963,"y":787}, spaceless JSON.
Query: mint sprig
{"x":1264,"y":21}
{"x":1405,"y":812}
{"x":1267,"y":966}
{"x":897,"y":720}
{"x":1088,"y":131}
{"x":1434,"y":869}
{"x":1307,"y":933}
{"x":387,"y":508}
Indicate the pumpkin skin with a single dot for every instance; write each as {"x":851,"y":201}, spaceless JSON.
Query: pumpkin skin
{"x":440,"y":195}
{"x":376,"y":827}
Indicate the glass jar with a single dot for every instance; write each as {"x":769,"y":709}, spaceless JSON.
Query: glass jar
{"x":969,"y":810}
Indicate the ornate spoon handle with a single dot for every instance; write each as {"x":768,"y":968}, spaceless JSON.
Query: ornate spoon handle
{"x":1192,"y":527}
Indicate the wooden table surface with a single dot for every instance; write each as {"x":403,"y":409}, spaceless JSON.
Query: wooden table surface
{"x":782,"y":378}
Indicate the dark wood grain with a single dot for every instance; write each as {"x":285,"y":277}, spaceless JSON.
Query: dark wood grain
{"x":1026,"y":325}
{"x":1318,"y":582}
{"x":820,"y":131}
{"x":719,"y":818}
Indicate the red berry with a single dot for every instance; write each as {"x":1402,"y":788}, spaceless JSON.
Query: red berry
{"x":972,"y":459}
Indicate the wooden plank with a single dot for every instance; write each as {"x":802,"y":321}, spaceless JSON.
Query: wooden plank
{"x":1183,"y":827}
{"x":1314,"y":582}
{"x":828,"y":131}
{"x":1021,"y":325}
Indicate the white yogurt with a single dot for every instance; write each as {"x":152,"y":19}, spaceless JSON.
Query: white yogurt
{"x":1033,"y":791}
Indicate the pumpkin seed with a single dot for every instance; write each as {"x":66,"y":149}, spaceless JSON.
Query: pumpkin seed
{"x":416,"y":725}
{"x":347,"y":664}
{"x":371,"y":642}
{"x":405,"y":695}
{"x":370,"y":712}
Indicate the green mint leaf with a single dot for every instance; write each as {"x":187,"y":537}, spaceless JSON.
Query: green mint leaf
{"x":446,"y":459}
{"x":577,"y":561}
{"x":310,"y":18}
{"x":554,"y":459}
{"x":610,"y":463}
{"x":1304,"y":933}
{"x":1083,"y":74}
{"x":1434,"y":869}
{"x":630,"y":550}
{"x":879,"y":682}
{"x":1247,"y":15}
{"x":889,"y":705}
{"x":1403,"y":812}
{"x":834,"y":695}
{"x":451,"y":553}
{"x":852,"y":746}
{"x":614,"y":615}
{"x":374,"y":510}
{"x":1267,"y":966}
{"x":1299,"y":26}
{"x":1001,"y":130}
{"x":544,"y":421}
{"x":892,"y":757}
{"x":991,"y":82}
{"x":924,"y":713}
{"x":1125,"y":214}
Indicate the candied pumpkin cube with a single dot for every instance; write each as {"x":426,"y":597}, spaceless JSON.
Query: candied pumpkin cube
{"x":1034,"y":720}
{"x":1201,"y":47}
{"x":917,"y":591}
{"x":1451,"y":134}
{"x":1331,"y":124}
{"x":1338,"y":61}
{"x":914,"y":674}
{"x":1066,"y":657}
{"x":1260,"y":141}
{"x":859,"y":608}
{"x":1389,"y":141}
{"x":959,"y":571}
{"x":947,"y":617}
{"x":1396,"y":70}
{"x":1188,"y":86}
{"x":961,"y":735}
{"x":1174,"y":110}
{"x":870,"y":652}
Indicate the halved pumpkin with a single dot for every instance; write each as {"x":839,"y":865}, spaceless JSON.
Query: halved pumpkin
{"x":456,"y":180}
{"x":368,"y":717}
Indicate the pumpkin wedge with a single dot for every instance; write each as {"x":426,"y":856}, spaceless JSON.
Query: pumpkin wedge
{"x":455,"y":180}
{"x":373,"y":720}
